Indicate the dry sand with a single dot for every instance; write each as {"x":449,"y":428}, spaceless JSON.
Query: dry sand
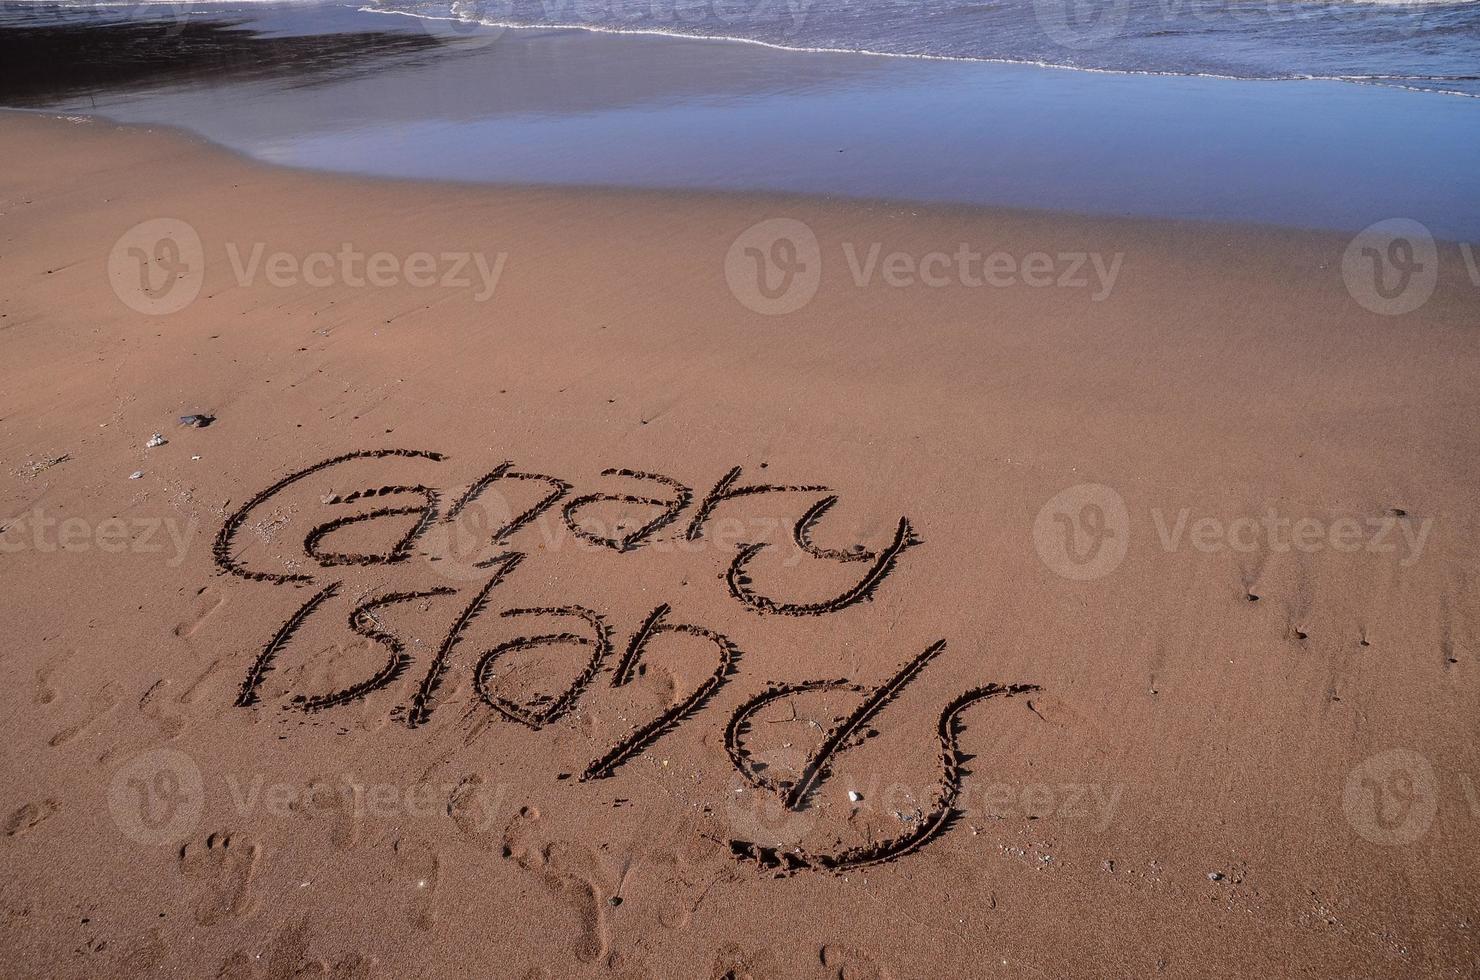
{"x":1226,"y":730}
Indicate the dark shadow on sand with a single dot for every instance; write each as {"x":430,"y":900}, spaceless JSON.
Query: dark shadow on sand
{"x":43,"y":64}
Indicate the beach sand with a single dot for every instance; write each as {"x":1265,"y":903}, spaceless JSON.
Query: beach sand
{"x":1198,"y":536}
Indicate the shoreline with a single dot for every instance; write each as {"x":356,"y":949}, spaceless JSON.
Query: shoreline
{"x":336,"y":91}
{"x":1373,"y":80}
{"x":760,"y":198}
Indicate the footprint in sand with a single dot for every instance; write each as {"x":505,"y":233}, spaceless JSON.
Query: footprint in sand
{"x":734,"y":963}
{"x":222,"y":866}
{"x":208,"y":601}
{"x":848,"y":963}
{"x":45,"y":693}
{"x":474,"y":808}
{"x":571,"y":872}
{"x":286,"y":958}
{"x":339,"y":804}
{"x":171,"y":726}
{"x":679,"y":874}
{"x":23,"y":818}
{"x":191,"y":692}
{"x":145,"y":956}
{"x":420,"y":866}
{"x":98,"y":705}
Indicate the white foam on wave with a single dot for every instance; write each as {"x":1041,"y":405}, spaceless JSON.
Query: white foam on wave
{"x":1403,"y":82}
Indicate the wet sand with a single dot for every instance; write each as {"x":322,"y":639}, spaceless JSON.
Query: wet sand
{"x":328,"y":689}
{"x":331,"y":88}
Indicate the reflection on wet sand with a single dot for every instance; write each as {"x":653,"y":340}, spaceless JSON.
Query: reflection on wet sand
{"x":332,"y":87}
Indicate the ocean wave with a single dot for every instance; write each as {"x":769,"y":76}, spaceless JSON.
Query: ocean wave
{"x":1172,"y":38}
{"x":1412,"y":83}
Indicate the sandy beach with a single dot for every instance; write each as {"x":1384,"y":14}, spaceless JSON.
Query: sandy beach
{"x":652,"y":584}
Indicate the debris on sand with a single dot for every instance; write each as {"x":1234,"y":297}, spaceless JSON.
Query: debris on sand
{"x":155,"y":440}
{"x":197,"y":421}
{"x":34,"y":467}
{"x":136,"y":475}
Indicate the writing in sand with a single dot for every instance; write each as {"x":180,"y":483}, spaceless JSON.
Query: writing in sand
{"x":419,"y":512}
